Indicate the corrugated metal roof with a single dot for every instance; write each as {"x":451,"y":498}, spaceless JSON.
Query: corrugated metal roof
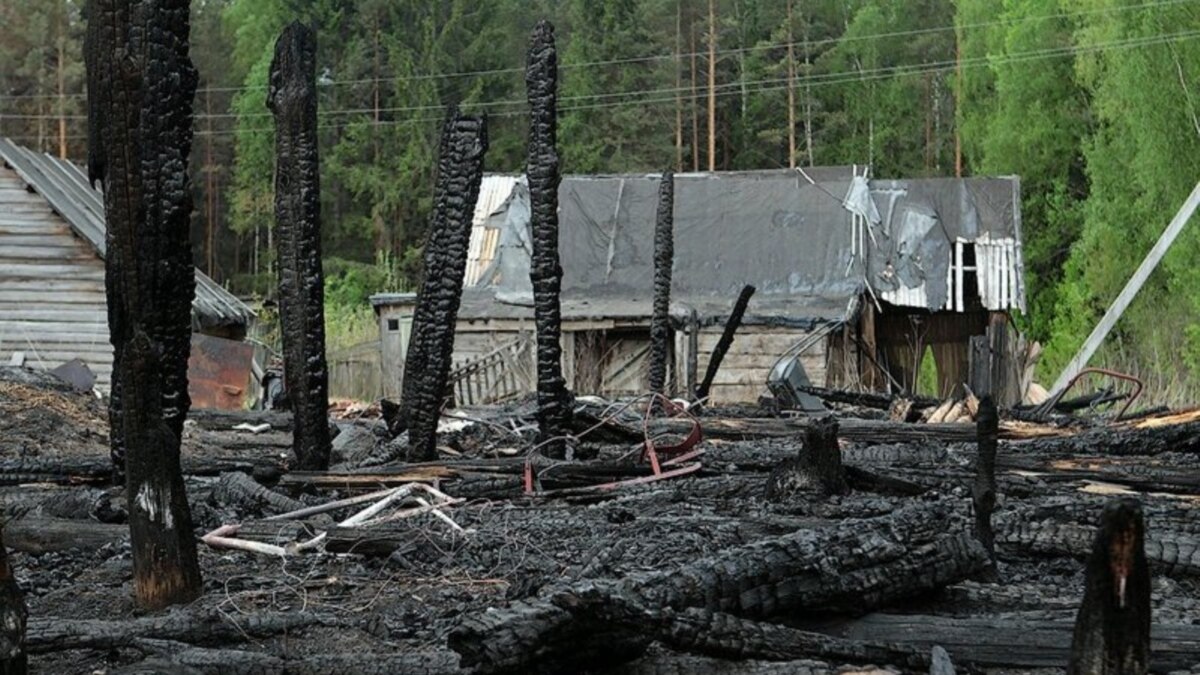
{"x":493,"y":193}
{"x":65,"y":187}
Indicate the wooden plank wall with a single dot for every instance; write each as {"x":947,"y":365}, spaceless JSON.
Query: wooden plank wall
{"x":51,"y":286}
{"x":743,"y":374}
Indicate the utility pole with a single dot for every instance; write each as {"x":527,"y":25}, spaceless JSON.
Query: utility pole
{"x":791,"y":90}
{"x":62,"y":85}
{"x":695,"y":114}
{"x":958,"y":88}
{"x":678,"y":86}
{"x":712,"y":85}
{"x":210,"y":188}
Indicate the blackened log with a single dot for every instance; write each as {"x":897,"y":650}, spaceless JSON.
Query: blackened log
{"x":723,"y":635}
{"x":292,"y":100}
{"x":237,"y":489}
{"x":431,"y":349}
{"x":983,"y":491}
{"x":663,"y":662}
{"x":817,"y":468}
{"x":725,"y":342}
{"x":869,"y":399}
{"x":853,"y":566}
{"x":140,"y":88}
{"x":664,"y":258}
{"x":13,"y":617}
{"x":36,"y":534}
{"x":1021,"y":640}
{"x":179,"y":658}
{"x":545,"y":272}
{"x":205,"y":628}
{"x":1112,"y":628}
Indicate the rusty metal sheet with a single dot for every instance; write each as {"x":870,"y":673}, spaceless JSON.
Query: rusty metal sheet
{"x":219,"y":372}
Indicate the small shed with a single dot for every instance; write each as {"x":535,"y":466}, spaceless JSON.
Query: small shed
{"x":52,"y":246}
{"x":855,"y":279}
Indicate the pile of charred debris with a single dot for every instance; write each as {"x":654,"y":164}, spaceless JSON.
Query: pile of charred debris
{"x":560,"y":534}
{"x":737,"y":541}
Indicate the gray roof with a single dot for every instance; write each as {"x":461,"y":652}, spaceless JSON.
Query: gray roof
{"x":65,"y":186}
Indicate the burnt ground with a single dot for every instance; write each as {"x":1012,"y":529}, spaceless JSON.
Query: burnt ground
{"x":393,"y":593}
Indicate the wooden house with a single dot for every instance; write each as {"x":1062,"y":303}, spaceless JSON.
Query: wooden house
{"x":52,"y":245}
{"x":856,"y":280}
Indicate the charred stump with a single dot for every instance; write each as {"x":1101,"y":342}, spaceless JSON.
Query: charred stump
{"x":545,"y":272}
{"x":140,"y":88}
{"x":427,"y":368}
{"x":293,"y":102}
{"x":818,"y":468}
{"x":13,"y":615}
{"x":726,"y":341}
{"x":983,"y":491}
{"x":1112,"y":628}
{"x":664,"y":257}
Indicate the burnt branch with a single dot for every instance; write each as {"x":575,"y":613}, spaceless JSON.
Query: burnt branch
{"x":545,"y":273}
{"x":293,"y":102}
{"x":664,"y":257}
{"x":13,"y":616}
{"x":726,"y":341}
{"x":141,"y":83}
{"x":431,"y":349}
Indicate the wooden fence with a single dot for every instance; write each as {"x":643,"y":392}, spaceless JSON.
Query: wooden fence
{"x":501,"y":374}
{"x":356,"y":372}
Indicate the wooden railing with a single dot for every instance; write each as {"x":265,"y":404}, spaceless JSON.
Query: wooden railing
{"x":501,"y":374}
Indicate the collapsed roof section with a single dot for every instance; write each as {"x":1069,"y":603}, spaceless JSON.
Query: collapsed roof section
{"x":812,"y":241}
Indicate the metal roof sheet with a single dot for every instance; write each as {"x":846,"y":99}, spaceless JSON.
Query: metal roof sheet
{"x":65,"y":187}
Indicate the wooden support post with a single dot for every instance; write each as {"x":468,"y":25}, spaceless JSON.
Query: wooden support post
{"x":542,"y":169}
{"x":1112,"y":628}
{"x":983,"y":492}
{"x":293,"y":101}
{"x":431,"y":348}
{"x":140,"y":88}
{"x":664,"y":258}
{"x":13,"y":616}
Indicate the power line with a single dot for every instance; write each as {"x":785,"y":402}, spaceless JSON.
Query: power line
{"x":777,"y":84}
{"x":658,"y":57}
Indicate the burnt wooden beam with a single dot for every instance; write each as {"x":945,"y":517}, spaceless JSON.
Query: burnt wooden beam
{"x":193,"y":626}
{"x":983,"y":490}
{"x":725,"y":342}
{"x":431,"y":349}
{"x":13,"y":616}
{"x":545,"y":272}
{"x":1112,"y":628}
{"x":140,"y":88}
{"x":292,"y":99}
{"x":664,"y":258}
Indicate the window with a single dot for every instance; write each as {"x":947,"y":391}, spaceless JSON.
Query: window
{"x":393,"y":324}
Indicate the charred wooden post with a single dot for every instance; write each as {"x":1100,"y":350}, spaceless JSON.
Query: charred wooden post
{"x":726,"y":341}
{"x":664,"y":258}
{"x":427,"y":369}
{"x":545,"y":272}
{"x":983,"y":491}
{"x":1112,"y":628}
{"x":818,"y":468}
{"x":292,"y":100}
{"x":13,"y":615}
{"x":140,"y":88}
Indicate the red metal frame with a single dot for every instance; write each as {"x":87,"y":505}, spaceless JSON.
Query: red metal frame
{"x":1048,"y":406}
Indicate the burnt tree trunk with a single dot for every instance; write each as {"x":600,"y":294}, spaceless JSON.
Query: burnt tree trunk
{"x":293,"y":102}
{"x":13,"y":615}
{"x":431,"y":349}
{"x":983,"y":491}
{"x":140,"y":88}
{"x":726,"y":341}
{"x":545,"y":272}
{"x":1112,"y":628}
{"x":664,"y":257}
{"x":817,"y":469}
